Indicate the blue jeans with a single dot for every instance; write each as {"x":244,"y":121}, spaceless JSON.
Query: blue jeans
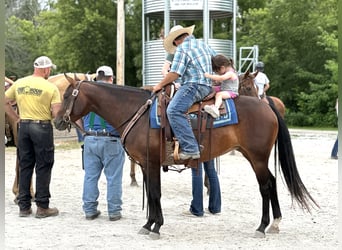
{"x":107,"y":154}
{"x":185,"y":96}
{"x":79,"y":135}
{"x":36,"y":150}
{"x":196,"y":206}
{"x":335,"y":149}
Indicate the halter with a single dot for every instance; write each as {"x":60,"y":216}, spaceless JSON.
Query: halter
{"x":66,"y":116}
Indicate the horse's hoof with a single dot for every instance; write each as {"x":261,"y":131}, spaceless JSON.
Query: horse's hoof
{"x":259,"y":234}
{"x":154,"y":236}
{"x":144,"y":231}
{"x":273,"y":230}
{"x":134,"y":184}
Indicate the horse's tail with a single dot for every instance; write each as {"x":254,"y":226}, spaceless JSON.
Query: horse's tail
{"x":289,"y":167}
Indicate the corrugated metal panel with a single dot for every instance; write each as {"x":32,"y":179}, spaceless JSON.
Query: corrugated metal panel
{"x":221,"y":46}
{"x":155,"y":57}
{"x":154,"y":60}
{"x":153,"y":6}
{"x":218,"y":9}
{"x":219,"y":5}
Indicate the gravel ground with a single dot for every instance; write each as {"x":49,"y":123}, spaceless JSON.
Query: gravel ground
{"x":232,"y":229}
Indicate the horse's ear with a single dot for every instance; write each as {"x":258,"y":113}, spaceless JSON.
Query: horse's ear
{"x":76,"y":78}
{"x":70,"y":80}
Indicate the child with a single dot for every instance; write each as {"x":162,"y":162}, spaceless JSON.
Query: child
{"x":227,"y":75}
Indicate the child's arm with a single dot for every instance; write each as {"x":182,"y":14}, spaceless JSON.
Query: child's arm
{"x":225,"y":76}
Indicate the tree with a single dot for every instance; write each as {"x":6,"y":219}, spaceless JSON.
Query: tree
{"x":290,"y":38}
{"x":81,"y":34}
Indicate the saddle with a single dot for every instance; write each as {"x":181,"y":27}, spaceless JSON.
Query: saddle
{"x":169,"y":146}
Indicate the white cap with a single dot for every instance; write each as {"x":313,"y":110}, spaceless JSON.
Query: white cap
{"x":107,"y":71}
{"x":43,"y":62}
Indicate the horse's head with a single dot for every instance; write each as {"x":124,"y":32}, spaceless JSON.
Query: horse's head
{"x":69,"y":112}
{"x":246,"y":85}
{"x":62,"y":82}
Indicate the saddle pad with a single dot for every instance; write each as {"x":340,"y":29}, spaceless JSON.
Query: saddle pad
{"x":229,"y":118}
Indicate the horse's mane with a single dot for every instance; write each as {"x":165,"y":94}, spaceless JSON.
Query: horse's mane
{"x":126,"y":87}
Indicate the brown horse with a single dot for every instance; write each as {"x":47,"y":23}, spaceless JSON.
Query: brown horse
{"x":62,"y":83}
{"x":247,"y":87}
{"x":126,"y":109}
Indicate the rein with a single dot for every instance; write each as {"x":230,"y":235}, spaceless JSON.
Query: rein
{"x":135,"y":118}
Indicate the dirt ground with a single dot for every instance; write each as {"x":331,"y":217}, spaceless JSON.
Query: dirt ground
{"x":232,"y":229}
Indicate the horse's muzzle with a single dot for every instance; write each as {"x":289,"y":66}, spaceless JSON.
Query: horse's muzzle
{"x":60,"y":124}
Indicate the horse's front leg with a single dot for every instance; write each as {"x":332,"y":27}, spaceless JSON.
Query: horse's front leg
{"x":265,"y":219}
{"x":155,"y":215}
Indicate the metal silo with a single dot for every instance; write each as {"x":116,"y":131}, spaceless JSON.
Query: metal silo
{"x":172,"y":11}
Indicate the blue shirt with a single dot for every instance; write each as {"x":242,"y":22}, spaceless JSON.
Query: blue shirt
{"x":191,"y":60}
{"x":98,"y":125}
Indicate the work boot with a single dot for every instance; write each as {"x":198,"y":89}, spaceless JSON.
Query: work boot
{"x":186,"y":156}
{"x":25,"y":213}
{"x":93,"y":216}
{"x":46,"y":212}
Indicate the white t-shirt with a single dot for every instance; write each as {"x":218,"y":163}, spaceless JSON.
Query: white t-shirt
{"x":260,"y":80}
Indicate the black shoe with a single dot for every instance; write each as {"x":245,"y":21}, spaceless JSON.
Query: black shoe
{"x":334,"y":157}
{"x":93,"y":216}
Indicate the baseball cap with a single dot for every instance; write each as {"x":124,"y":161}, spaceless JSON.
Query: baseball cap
{"x":43,"y":62}
{"x":107,"y":71}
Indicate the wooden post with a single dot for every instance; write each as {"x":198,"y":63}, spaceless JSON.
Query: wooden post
{"x":120,"y":43}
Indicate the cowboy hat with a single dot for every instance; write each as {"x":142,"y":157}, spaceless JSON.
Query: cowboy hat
{"x":173,"y":34}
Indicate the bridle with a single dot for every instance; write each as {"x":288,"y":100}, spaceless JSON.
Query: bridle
{"x":131,"y":120}
{"x":66,"y":116}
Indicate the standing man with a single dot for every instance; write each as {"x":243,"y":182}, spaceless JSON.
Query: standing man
{"x":261,"y":80}
{"x":191,"y":60}
{"x":38,"y":101}
{"x":102,"y":151}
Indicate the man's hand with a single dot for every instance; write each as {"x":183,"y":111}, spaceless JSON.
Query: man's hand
{"x":156,"y":88}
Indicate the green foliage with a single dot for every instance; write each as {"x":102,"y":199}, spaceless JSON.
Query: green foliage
{"x":82,"y":34}
{"x":298,"y":43}
{"x":20,"y":46}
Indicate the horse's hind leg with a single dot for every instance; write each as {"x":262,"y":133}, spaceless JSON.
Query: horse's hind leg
{"x":274,"y":228}
{"x":265,"y":220}
{"x":132,"y":174}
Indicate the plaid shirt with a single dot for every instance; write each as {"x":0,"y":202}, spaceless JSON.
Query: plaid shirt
{"x":192,"y":59}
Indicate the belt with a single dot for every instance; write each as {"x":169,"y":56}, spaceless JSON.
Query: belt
{"x":35,"y":121}
{"x":100,"y":133}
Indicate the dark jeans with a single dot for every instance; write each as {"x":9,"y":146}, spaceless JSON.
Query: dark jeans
{"x":36,"y":149}
{"x":214,"y":205}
